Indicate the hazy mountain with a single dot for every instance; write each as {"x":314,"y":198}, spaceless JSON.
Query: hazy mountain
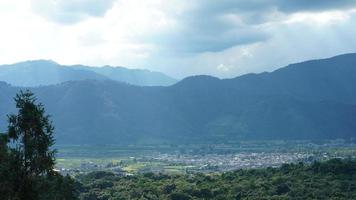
{"x":309,"y":100}
{"x":133,"y":76}
{"x":42,"y":72}
{"x":46,"y":72}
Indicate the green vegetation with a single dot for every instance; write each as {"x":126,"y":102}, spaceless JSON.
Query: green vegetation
{"x":27,"y":162}
{"x":334,"y":179}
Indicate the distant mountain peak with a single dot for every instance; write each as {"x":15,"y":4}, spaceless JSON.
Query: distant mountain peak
{"x":47,"y":72}
{"x":310,"y":100}
{"x":37,"y":62}
{"x":197,"y":79}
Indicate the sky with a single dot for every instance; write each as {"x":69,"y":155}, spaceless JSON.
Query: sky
{"x":223,"y":38}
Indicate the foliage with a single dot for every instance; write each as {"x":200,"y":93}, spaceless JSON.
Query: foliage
{"x":334,"y":179}
{"x":26,"y":158}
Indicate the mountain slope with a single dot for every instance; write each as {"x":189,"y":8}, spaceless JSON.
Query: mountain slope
{"x":317,"y":79}
{"x":46,"y":72}
{"x":42,"y":72}
{"x":309,"y":100}
{"x":133,"y":76}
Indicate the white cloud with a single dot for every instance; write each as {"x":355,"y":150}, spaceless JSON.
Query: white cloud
{"x":148,"y":33}
{"x":223,"y":68}
{"x":73,"y":11}
{"x":319,"y":19}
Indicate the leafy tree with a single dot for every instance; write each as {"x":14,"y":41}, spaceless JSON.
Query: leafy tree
{"x":26,"y":158}
{"x":9,"y":170}
{"x":179,"y":196}
{"x":334,"y":179}
{"x":31,"y":133}
{"x":5,"y":187}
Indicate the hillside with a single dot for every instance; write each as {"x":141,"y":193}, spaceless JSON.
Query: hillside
{"x":308,"y":100}
{"x":46,"y":72}
{"x":139,"y":77}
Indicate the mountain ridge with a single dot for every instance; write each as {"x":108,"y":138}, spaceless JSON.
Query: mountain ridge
{"x":47,"y":72}
{"x":293,"y":103}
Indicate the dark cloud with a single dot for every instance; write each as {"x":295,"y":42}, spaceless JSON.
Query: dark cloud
{"x":216,"y":25}
{"x":257,"y":11}
{"x":206,"y":26}
{"x":207,"y":35}
{"x":282,"y":5}
{"x":69,"y":12}
{"x":314,"y":5}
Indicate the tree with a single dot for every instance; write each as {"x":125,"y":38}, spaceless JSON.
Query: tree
{"x":31,"y":135}
{"x":27,"y":160}
{"x":31,"y":132}
{"x":3,"y":147}
{"x":5,"y":187}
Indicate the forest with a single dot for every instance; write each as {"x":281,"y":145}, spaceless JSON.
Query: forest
{"x":334,"y":179}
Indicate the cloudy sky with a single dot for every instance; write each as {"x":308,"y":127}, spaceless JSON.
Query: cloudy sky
{"x":224,"y":38}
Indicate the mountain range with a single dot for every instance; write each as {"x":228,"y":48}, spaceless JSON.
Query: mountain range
{"x":309,"y":100}
{"x":46,"y":72}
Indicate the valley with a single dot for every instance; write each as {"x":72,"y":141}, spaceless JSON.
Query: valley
{"x":197,"y":158}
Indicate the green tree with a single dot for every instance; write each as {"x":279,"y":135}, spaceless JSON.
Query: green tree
{"x":26,"y":157}
{"x":3,"y":148}
{"x":9,"y":170}
{"x":31,"y":135}
{"x":5,"y":186}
